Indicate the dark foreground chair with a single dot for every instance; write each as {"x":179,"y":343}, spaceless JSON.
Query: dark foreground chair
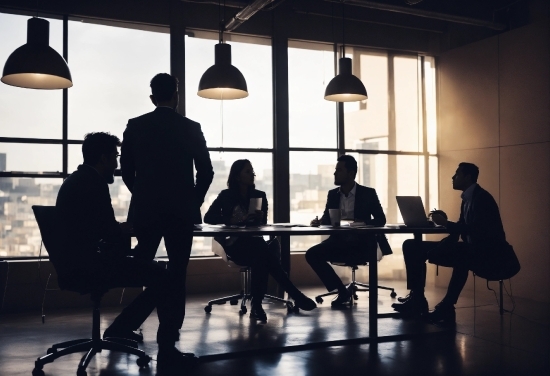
{"x":354,"y":286}
{"x":244,"y":295}
{"x":51,"y":237}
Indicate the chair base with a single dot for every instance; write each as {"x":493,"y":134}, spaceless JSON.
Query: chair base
{"x":91,"y":347}
{"x":243,"y":297}
{"x":355,"y":287}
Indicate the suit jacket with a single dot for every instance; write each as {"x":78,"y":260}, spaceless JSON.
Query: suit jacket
{"x":86,"y":218}
{"x":158,"y":151}
{"x":221,"y":210}
{"x":367,"y":209}
{"x":482,"y":229}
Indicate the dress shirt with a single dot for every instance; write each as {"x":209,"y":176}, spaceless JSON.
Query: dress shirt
{"x":467,"y":196}
{"x":347,"y":203}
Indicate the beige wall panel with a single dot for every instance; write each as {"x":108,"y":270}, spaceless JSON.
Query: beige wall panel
{"x":468,"y":97}
{"x":525,"y":210}
{"x":525,"y":85}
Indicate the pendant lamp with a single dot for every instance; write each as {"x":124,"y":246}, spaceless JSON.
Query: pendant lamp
{"x":222,"y":80}
{"x":345,"y":87}
{"x":35,"y":65}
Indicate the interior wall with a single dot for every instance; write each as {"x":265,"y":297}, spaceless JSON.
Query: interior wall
{"x":494,"y":111}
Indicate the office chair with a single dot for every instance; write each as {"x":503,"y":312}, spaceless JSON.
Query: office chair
{"x":51,"y":236}
{"x":244,"y":295}
{"x":353,"y":286}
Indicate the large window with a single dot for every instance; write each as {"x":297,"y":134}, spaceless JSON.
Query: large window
{"x":111,"y":67}
{"x":391,"y":134}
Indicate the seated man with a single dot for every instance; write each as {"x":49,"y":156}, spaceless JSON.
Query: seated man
{"x":358,"y":203}
{"x":483,"y":238}
{"x":94,"y":254}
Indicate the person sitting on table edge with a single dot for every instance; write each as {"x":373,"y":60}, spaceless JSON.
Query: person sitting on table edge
{"x":358,"y":203}
{"x":95,"y":252}
{"x":483,"y":249}
{"x":231,"y":207}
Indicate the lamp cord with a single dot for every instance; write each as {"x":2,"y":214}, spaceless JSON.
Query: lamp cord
{"x":343,"y":30}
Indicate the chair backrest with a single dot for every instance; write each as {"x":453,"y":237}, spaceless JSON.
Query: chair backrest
{"x":46,"y":218}
{"x":217,"y":249}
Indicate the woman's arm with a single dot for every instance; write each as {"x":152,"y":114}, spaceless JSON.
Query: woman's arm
{"x":214,"y":215}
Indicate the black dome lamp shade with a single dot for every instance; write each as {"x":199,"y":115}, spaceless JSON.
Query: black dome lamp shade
{"x":35,"y":65}
{"x":222,"y":80}
{"x":345,"y":87}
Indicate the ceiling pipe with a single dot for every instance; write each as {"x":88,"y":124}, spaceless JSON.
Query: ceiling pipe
{"x":245,"y":14}
{"x":424,"y":13}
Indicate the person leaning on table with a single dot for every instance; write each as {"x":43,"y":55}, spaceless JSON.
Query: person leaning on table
{"x":355,"y":202}
{"x":231,"y":208}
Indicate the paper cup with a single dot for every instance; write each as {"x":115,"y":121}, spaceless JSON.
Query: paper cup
{"x":334,"y":217}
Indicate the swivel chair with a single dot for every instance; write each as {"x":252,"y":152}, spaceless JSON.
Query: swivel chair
{"x":353,"y":286}
{"x":51,"y":237}
{"x":245,"y":294}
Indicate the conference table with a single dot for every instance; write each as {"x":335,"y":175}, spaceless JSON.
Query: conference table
{"x":285,"y":231}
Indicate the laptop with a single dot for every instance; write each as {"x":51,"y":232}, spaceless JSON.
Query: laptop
{"x":412,"y":211}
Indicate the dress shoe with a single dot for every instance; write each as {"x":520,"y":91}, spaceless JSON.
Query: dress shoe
{"x":173,"y":362}
{"x":303,"y":302}
{"x":414,"y":307}
{"x":405,"y":298}
{"x":341,"y":300}
{"x":443,"y":313}
{"x":113,"y":332}
{"x":257,"y":312}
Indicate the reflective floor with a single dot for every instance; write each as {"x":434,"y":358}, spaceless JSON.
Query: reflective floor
{"x":321,"y":342}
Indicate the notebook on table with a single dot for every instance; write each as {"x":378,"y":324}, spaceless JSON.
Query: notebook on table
{"x":412,"y":211}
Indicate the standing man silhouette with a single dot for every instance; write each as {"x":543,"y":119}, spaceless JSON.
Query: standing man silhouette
{"x":158,"y":152}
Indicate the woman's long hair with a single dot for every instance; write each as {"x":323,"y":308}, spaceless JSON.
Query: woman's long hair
{"x":234,"y":172}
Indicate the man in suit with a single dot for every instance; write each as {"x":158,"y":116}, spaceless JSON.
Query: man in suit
{"x":358,"y":203}
{"x":94,"y":244}
{"x":158,"y":153}
{"x":483,"y":244}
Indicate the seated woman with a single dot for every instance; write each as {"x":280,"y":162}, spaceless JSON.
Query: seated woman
{"x":231,"y":208}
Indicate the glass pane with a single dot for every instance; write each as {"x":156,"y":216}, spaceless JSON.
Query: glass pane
{"x":433,"y":183}
{"x":311,"y":177}
{"x":31,"y":157}
{"x":431,"y":109}
{"x":310,"y":69}
{"x":390,"y":175}
{"x":111,"y":69}
{"x":28,"y":112}
{"x":408,"y":102}
{"x":368,"y":120}
{"x":75,"y":157}
{"x":19,"y":234}
{"x":246,"y":122}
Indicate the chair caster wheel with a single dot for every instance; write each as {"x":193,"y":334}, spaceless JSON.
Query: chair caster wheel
{"x":37,"y":372}
{"x":319,"y":300}
{"x":290,"y":307}
{"x":208,"y":309}
{"x":51,"y":350}
{"x":233,"y":302}
{"x":143,"y":362}
{"x":355,"y":297}
{"x":243,"y":311}
{"x":81,"y":372}
{"x":393,"y":294}
{"x":296,"y":309}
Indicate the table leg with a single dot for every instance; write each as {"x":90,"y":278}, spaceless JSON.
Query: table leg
{"x":373,"y":297}
{"x":285,"y":259}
